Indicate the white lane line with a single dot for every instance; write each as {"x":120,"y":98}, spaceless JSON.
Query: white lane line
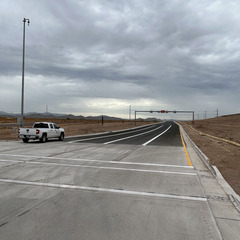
{"x":146,"y":143}
{"x":121,"y":139}
{"x":93,"y":138}
{"x":108,"y":190}
{"x":93,"y":160}
{"x":14,"y":161}
{"x":110,"y":168}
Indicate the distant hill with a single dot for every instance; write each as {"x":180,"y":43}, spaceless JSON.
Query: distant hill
{"x":35,"y":115}
{"x":5,"y":114}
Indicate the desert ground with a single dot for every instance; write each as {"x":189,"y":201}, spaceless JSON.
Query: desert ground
{"x":218,"y":138}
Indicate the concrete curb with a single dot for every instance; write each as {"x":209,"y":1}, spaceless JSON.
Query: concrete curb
{"x":233,"y":196}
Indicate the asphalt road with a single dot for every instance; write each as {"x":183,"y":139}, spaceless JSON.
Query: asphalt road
{"x":133,"y":184}
{"x":147,"y":135}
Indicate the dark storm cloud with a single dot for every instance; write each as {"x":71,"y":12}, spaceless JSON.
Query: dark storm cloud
{"x":147,"y":53}
{"x":92,"y":74}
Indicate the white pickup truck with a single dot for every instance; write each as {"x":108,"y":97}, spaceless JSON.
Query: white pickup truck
{"x":42,"y":131}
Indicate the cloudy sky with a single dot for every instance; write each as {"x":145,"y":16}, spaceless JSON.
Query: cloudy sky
{"x":94,"y":57}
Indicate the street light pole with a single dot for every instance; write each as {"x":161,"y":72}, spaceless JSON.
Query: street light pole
{"x":22,"y":105}
{"x":130,"y":113}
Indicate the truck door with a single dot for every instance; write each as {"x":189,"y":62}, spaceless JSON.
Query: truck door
{"x":56,"y":130}
{"x":51,"y":132}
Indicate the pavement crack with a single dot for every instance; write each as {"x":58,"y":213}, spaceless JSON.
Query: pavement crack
{"x":218,"y":198}
{"x":2,"y":224}
{"x":24,"y":212}
{"x":126,"y":154}
{"x":70,"y":151}
{"x":230,"y":219}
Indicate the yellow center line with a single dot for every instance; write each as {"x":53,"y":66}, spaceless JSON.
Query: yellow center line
{"x":185,"y":149}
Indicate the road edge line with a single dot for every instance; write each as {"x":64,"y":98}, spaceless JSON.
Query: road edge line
{"x":185,"y":149}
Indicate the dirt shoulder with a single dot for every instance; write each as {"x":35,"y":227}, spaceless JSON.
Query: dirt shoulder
{"x":221,"y":153}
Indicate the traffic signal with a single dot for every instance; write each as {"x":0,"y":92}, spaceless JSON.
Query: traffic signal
{"x":163,"y":111}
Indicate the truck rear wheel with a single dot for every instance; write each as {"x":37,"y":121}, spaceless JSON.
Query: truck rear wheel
{"x":25,"y":140}
{"x":43,"y":139}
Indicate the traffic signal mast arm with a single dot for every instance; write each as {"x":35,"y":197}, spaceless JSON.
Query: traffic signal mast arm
{"x":164,"y":111}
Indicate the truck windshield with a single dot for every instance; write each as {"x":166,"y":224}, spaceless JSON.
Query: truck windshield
{"x":40,"y":125}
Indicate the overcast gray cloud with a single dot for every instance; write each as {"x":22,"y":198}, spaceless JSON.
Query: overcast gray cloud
{"x":99,"y":57}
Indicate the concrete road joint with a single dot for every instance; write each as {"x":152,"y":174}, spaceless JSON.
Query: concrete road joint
{"x":90,"y":160}
{"x":109,"y":190}
{"x":233,"y":196}
{"x":99,"y":167}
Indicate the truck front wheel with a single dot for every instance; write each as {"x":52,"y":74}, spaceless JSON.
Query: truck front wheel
{"x":61,"y":137}
{"x":43,"y":139}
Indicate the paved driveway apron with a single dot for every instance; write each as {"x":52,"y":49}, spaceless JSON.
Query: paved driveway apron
{"x":103,"y":188}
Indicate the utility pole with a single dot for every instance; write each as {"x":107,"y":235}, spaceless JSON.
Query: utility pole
{"x":135,"y":117}
{"x":23,"y":60}
{"x":130,"y":113}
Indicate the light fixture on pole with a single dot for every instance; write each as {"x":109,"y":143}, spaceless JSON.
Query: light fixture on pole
{"x":22,"y":105}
